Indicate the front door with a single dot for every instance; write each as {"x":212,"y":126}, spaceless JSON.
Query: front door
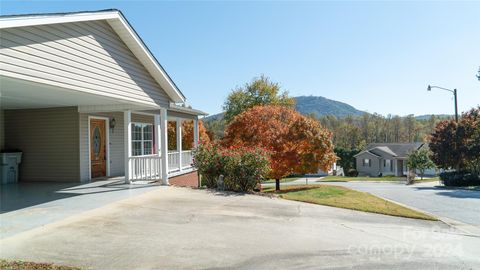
{"x":98,"y":157}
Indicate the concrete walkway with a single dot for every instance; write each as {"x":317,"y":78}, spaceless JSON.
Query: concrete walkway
{"x":181,"y":228}
{"x":25,"y":206}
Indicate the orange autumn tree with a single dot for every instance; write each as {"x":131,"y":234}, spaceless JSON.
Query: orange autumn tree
{"x":298,"y":144}
{"x":187,"y":134}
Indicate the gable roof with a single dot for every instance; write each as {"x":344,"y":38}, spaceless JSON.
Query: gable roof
{"x":395,"y":149}
{"x":121,"y":27}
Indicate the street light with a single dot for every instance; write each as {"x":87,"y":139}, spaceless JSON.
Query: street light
{"x":454,"y":91}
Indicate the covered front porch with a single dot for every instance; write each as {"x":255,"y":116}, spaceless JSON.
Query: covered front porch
{"x":70,"y":136}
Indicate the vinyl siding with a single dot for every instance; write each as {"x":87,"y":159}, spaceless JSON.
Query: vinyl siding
{"x":116,"y":138}
{"x":84,"y":56}
{"x":372,"y":170}
{"x":49,"y":141}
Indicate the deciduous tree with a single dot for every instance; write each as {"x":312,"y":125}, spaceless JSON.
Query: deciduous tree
{"x":297,"y":143}
{"x":420,"y":160}
{"x":187,"y":134}
{"x":260,"y":91}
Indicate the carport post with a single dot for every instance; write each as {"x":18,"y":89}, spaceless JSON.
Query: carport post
{"x":127,"y":119}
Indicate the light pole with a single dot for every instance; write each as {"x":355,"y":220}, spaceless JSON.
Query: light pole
{"x":454,"y":91}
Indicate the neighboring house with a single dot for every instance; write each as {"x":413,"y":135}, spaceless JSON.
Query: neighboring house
{"x":385,"y":158}
{"x":83,"y":98}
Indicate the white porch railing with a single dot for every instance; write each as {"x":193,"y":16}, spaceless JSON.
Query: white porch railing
{"x":145,"y":168}
{"x":174,"y":160}
{"x":187,"y":159}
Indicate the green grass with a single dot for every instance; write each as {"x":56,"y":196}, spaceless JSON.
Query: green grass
{"x":19,"y":265}
{"x":362,"y":178}
{"x":283,"y":180}
{"x":426,"y":180}
{"x":346,"y":198}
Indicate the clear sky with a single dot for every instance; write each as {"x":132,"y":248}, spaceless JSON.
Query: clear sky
{"x":376,"y":56}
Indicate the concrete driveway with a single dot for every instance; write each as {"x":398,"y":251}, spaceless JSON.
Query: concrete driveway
{"x":181,"y":228}
{"x":25,"y":206}
{"x":455,"y":204}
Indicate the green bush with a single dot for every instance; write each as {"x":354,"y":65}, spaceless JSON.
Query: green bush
{"x":459,"y":179}
{"x":352,"y":173}
{"x":241,"y":167}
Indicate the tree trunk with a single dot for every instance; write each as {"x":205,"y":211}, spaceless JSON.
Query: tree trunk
{"x":277,"y":184}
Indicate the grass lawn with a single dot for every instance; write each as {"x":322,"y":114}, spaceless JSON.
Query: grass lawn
{"x":361,"y":178}
{"x":19,"y":265}
{"x":346,"y":198}
{"x":283,"y":180}
{"x":425,"y":180}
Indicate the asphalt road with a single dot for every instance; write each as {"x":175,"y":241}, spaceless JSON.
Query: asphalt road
{"x":180,"y":228}
{"x":457,"y":204}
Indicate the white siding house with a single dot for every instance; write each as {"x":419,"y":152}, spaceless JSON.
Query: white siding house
{"x":83,"y":98}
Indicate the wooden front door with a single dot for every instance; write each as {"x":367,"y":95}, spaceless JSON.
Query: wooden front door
{"x":98,"y":149}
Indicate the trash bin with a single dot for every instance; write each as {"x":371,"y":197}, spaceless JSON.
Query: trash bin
{"x":9,"y":167}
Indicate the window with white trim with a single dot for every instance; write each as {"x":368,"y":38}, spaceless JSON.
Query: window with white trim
{"x":142,"y":139}
{"x":367,"y":163}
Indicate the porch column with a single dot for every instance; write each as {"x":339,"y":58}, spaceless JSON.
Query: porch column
{"x":127,"y":120}
{"x":195,"y":132}
{"x":164,"y":144}
{"x":157,"y":129}
{"x":179,"y":142}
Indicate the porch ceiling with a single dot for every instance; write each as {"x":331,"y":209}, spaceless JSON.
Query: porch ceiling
{"x":21,"y":94}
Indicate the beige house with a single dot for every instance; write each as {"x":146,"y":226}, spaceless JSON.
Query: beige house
{"x":385,"y":158}
{"x":83,"y":98}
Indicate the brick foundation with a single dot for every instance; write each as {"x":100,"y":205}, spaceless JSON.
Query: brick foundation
{"x":185,"y":180}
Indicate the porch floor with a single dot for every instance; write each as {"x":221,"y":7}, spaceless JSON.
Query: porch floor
{"x":26,"y":205}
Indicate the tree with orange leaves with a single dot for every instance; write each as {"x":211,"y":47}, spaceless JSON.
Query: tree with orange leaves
{"x":297,"y":143}
{"x":187,"y":134}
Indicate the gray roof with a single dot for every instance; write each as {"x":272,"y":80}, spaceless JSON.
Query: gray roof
{"x":394,"y":149}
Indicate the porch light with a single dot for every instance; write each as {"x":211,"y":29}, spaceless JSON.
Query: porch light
{"x":113,"y":122}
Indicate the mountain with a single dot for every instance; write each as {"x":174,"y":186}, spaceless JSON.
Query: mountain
{"x":320,"y":106}
{"x":316,"y":105}
{"x":427,"y":116}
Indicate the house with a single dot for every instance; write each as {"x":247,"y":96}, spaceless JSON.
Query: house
{"x":385,"y":158}
{"x":83,"y":98}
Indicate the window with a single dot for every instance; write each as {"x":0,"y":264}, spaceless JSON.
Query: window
{"x":142,"y":139}
{"x":366,"y":162}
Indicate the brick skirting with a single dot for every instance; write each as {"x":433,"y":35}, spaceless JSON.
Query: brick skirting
{"x":185,"y":180}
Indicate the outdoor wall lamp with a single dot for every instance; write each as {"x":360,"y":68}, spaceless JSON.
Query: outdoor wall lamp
{"x":454,"y":91}
{"x":113,"y":122}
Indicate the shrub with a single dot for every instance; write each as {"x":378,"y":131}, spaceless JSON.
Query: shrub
{"x":352,"y":173}
{"x":459,"y":179}
{"x":241,"y":167}
{"x":208,"y":161}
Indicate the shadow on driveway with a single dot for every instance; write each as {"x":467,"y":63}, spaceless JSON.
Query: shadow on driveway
{"x":26,"y":194}
{"x":453,"y":192}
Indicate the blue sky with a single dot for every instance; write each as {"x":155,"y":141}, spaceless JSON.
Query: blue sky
{"x":376,"y":56}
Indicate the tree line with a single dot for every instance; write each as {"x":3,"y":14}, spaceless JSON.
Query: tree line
{"x":355,"y":132}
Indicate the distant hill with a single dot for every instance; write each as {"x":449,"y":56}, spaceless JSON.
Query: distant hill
{"x":320,"y":106}
{"x":316,"y":105}
{"x":428,"y":116}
